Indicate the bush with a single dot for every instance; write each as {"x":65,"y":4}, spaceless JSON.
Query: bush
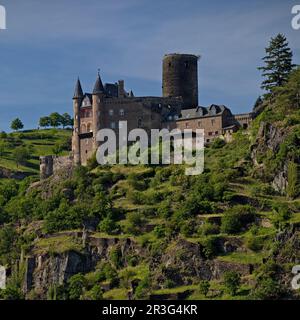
{"x":208,"y":228}
{"x":108,"y":226}
{"x":204,"y":287}
{"x":210,"y":247}
{"x":237,"y":218}
{"x":135,"y":222}
{"x":76,"y":285}
{"x":255,"y":243}
{"x":232,"y":281}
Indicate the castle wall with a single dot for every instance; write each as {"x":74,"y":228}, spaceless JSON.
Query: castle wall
{"x":212,"y":126}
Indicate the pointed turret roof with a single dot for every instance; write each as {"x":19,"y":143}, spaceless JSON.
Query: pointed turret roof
{"x":98,"y":88}
{"x":78,"y":90}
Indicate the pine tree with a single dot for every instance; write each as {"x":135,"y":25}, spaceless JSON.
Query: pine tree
{"x":278,"y":63}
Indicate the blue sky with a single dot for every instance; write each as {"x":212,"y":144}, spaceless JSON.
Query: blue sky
{"x":48,"y":44}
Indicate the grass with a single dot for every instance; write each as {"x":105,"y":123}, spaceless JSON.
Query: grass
{"x":242,"y":257}
{"x":58,"y":244}
{"x":116,"y":294}
{"x":41,"y":143}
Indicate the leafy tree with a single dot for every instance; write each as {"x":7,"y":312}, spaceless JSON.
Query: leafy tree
{"x":45,"y":122}
{"x":21,"y":155}
{"x":278,"y":63}
{"x":204,"y":287}
{"x":66,"y":120}
{"x":232,"y":281}
{"x":16,"y":124}
{"x":55,"y":119}
{"x":76,"y":285}
{"x":237,"y":218}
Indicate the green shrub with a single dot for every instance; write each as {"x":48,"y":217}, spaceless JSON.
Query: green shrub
{"x":76,"y":286}
{"x":204,"y":287}
{"x":237,"y":218}
{"x":232,"y":281}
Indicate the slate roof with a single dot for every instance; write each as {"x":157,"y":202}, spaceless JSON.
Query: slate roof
{"x":78,"y":90}
{"x":199,"y":112}
{"x":98,"y":88}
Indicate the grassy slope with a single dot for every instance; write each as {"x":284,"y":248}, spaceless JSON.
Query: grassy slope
{"x":41,"y":146}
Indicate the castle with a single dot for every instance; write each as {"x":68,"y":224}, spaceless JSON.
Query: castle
{"x":177,"y":108}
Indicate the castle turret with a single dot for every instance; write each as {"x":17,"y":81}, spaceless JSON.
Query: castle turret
{"x":180,"y":78}
{"x":98,"y":105}
{"x":77,"y":100}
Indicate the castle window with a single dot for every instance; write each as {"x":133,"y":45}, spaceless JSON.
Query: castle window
{"x":122,"y":112}
{"x":217,"y":132}
{"x":170,"y":118}
{"x":210,"y":133}
{"x":186,"y":64}
{"x":199,"y":123}
{"x":213,"y":121}
{"x":113,"y":125}
{"x":139,"y":123}
{"x":111,"y":112}
{"x":186,"y":124}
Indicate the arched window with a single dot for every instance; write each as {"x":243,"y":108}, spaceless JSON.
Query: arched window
{"x":83,"y":128}
{"x":89,"y":127}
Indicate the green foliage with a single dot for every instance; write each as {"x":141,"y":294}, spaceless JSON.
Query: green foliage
{"x":135,"y":221}
{"x":208,"y":228}
{"x":281,"y":215}
{"x":293,"y":180}
{"x":210,"y":246}
{"x":8,"y":236}
{"x":232,"y":281}
{"x":237,"y":218}
{"x":278,"y":63}
{"x":16,"y":124}
{"x":21,"y":155}
{"x":76,"y":286}
{"x":115,"y":255}
{"x":204,"y":287}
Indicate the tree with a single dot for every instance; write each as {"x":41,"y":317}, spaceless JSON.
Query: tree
{"x":76,"y":286}
{"x":204,"y":287}
{"x":21,"y":155}
{"x":66,"y":120}
{"x":55,"y":119}
{"x":278,"y":63}
{"x":16,"y":124}
{"x":232,"y":281}
{"x":44,"y":122}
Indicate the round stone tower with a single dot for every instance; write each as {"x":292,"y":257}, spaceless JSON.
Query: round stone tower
{"x":180,"y":78}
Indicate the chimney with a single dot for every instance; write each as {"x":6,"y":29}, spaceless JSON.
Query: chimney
{"x":121,"y":91}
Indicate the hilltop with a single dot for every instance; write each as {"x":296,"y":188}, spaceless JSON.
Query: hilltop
{"x":32,"y":143}
{"x":118,"y":232}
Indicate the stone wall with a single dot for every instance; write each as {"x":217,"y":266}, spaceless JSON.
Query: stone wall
{"x":51,"y":165}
